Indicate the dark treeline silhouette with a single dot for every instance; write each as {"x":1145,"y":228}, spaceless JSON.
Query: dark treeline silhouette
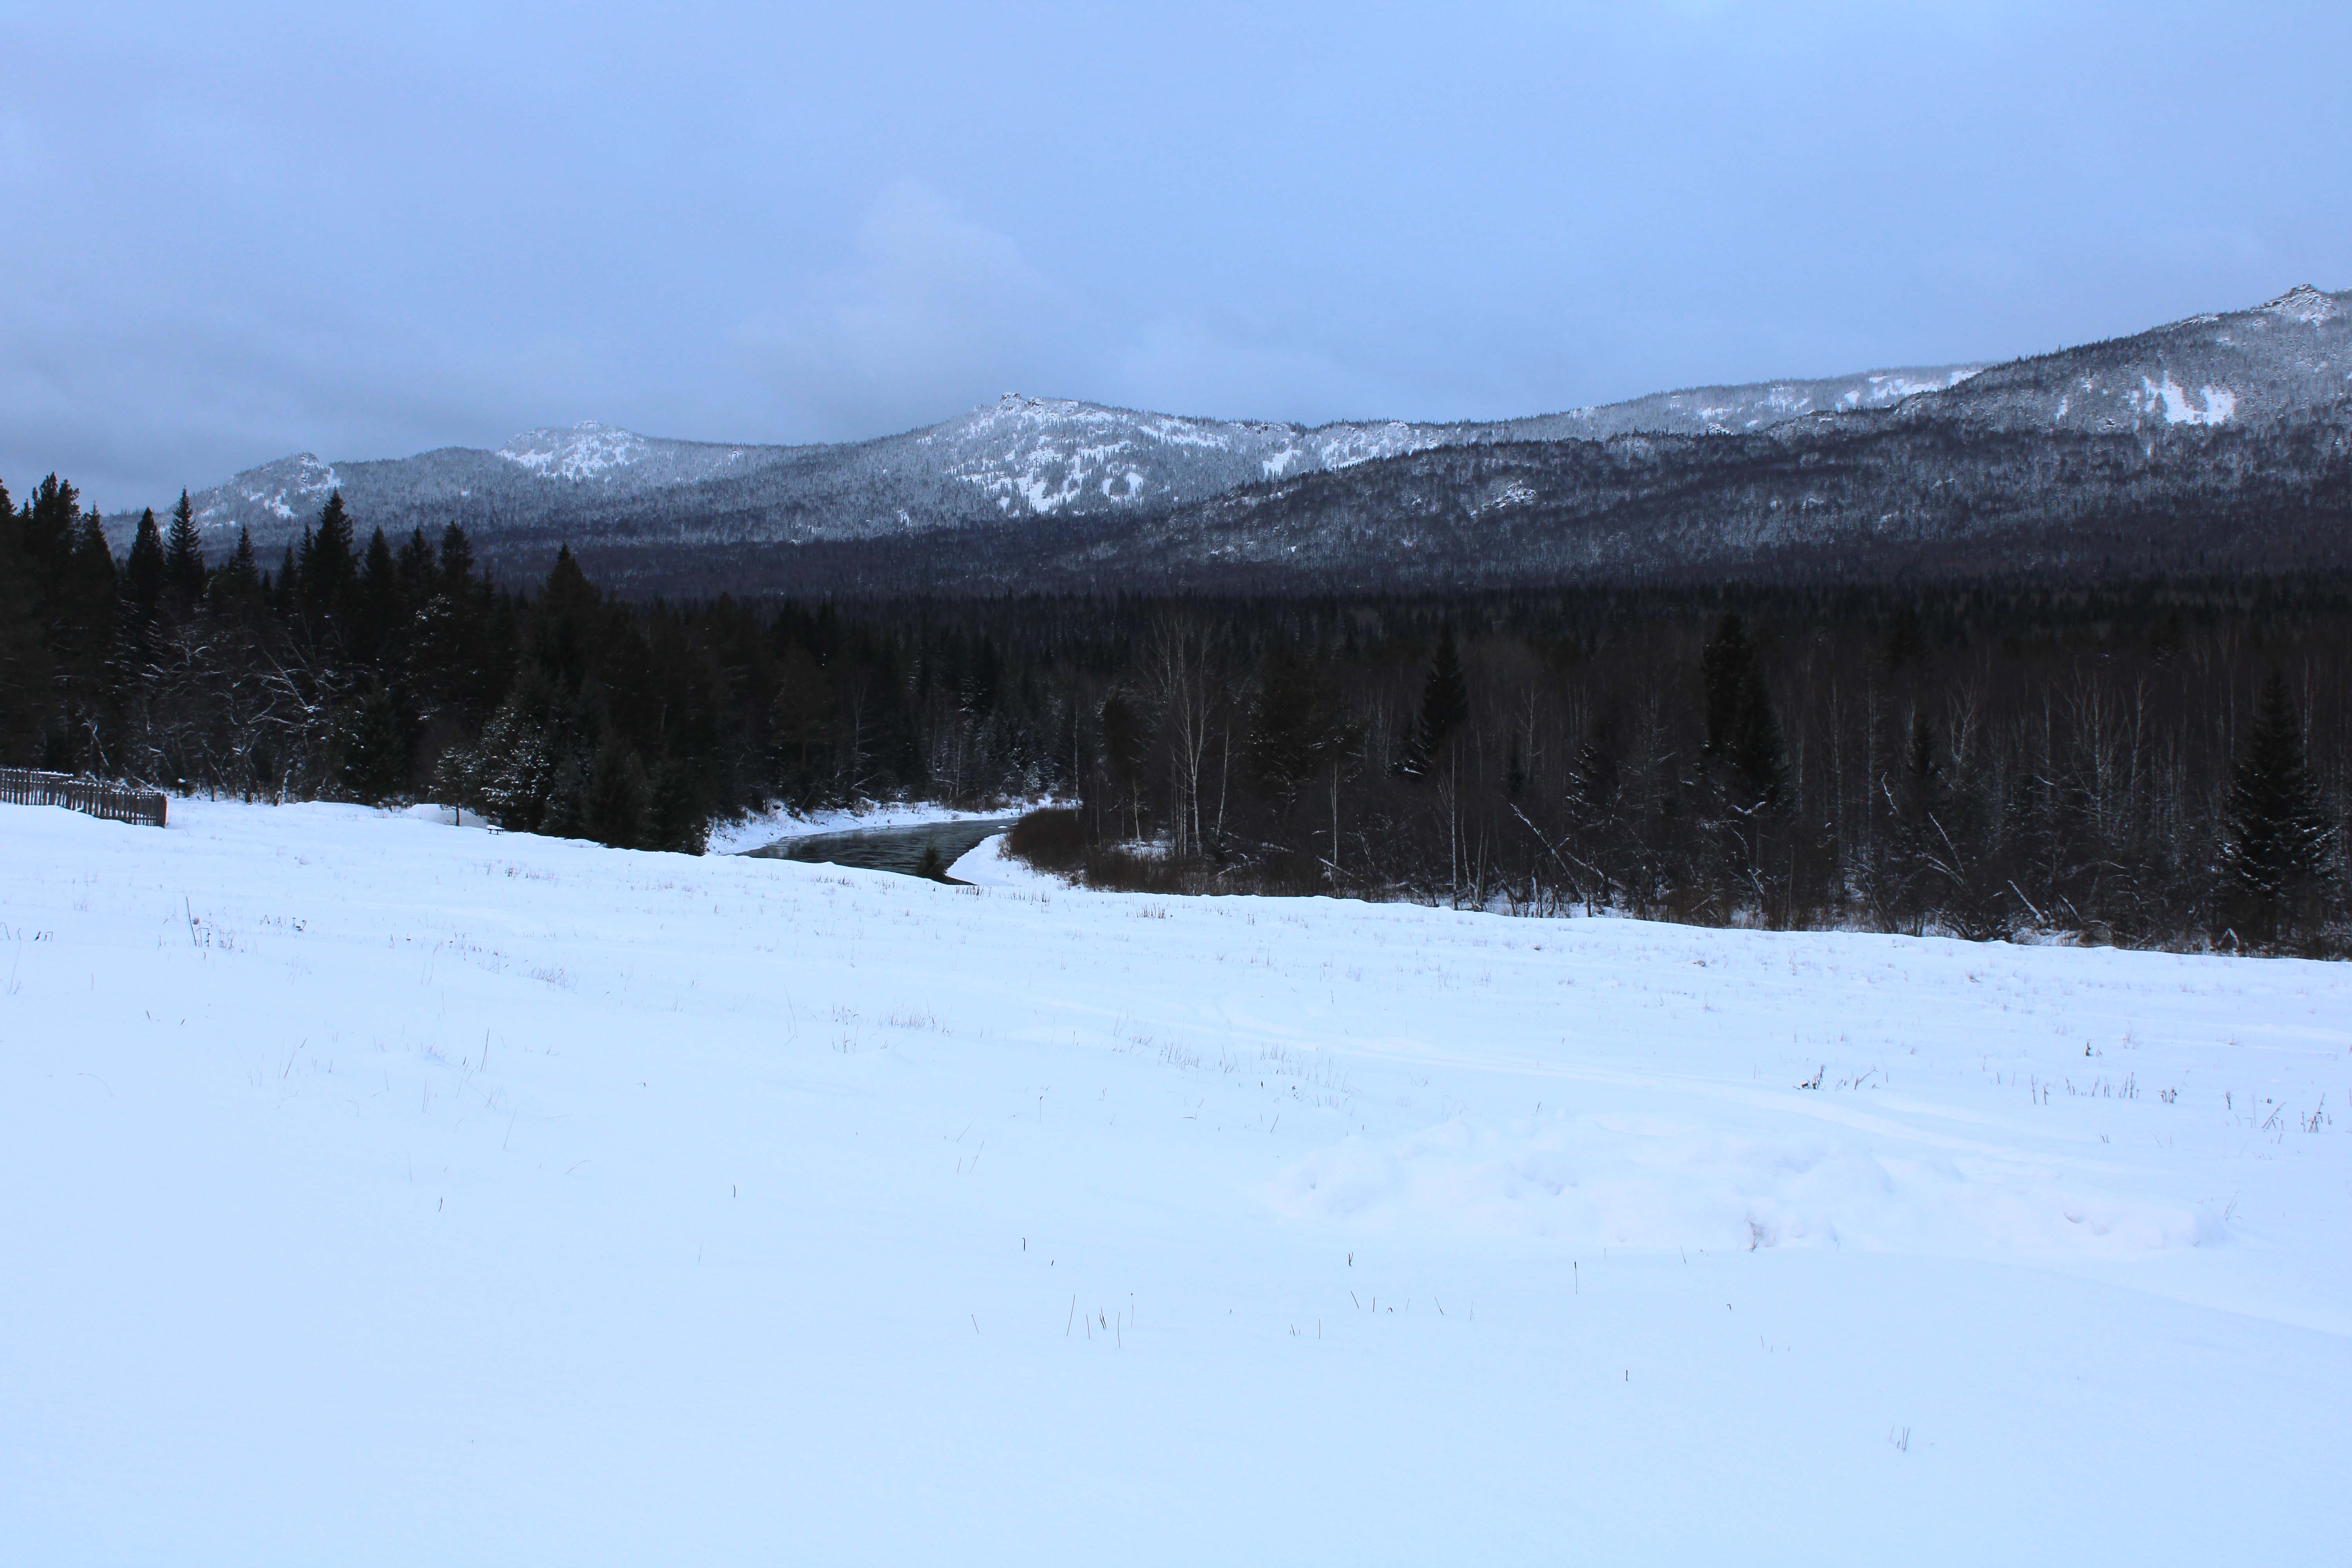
{"x":2160,"y":762}
{"x":395,"y":670}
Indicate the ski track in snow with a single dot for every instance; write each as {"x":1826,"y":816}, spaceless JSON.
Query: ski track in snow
{"x":382,"y":1190}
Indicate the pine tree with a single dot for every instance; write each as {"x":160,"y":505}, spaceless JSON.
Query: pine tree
{"x":2278,"y":839}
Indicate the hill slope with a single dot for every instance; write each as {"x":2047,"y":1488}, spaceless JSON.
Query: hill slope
{"x":412,"y":1194}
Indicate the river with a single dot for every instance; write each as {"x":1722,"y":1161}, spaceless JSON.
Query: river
{"x":899,"y":849}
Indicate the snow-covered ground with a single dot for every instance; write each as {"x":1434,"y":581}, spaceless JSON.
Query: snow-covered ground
{"x":381,"y":1191}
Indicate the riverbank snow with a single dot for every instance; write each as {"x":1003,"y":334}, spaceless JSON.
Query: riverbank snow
{"x":778,"y":824}
{"x":986,"y":865}
{"x":383,"y":1191}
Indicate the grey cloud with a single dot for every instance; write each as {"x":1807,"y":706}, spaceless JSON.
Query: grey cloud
{"x":241,"y":231}
{"x":932,"y":313}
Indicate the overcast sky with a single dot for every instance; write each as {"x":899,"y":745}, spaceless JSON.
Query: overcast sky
{"x":238,"y":231}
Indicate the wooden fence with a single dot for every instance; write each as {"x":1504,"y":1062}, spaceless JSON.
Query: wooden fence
{"x":116,"y":803}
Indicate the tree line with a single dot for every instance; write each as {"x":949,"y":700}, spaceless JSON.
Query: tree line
{"x":2157,"y":762}
{"x":397,"y":670}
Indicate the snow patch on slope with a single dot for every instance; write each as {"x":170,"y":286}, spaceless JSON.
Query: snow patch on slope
{"x":2215,"y":404}
{"x":587,"y":451}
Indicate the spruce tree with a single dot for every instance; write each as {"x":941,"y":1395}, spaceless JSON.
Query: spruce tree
{"x":456,"y":562}
{"x":145,"y":569}
{"x":1725,"y":667}
{"x":376,"y":747}
{"x":329,"y":564}
{"x":1918,"y":844}
{"x":1297,"y":727}
{"x":144,"y":579}
{"x":1445,"y":697}
{"x":183,"y":554}
{"x":675,"y":817}
{"x":24,"y":668}
{"x":239,"y":579}
{"x":2278,"y":839}
{"x":378,"y":608}
{"x":1127,"y":748}
{"x":1743,"y":732}
{"x":52,"y":520}
{"x":615,"y":806}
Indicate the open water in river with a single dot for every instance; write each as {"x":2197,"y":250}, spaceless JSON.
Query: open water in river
{"x":899,"y":849}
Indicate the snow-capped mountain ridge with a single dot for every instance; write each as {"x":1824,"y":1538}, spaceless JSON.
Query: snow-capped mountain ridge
{"x":1022,"y":456}
{"x":1025,"y":458}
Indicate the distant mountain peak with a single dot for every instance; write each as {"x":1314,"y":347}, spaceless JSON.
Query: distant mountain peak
{"x":2304,"y":303}
{"x":275,"y":492}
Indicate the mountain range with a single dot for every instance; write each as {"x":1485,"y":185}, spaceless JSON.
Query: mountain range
{"x":2157,"y":442}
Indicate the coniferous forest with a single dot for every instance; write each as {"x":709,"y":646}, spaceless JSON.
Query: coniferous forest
{"x":2163,"y":762}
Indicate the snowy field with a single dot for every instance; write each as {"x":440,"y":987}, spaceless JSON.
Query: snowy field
{"x":381,"y":1190}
